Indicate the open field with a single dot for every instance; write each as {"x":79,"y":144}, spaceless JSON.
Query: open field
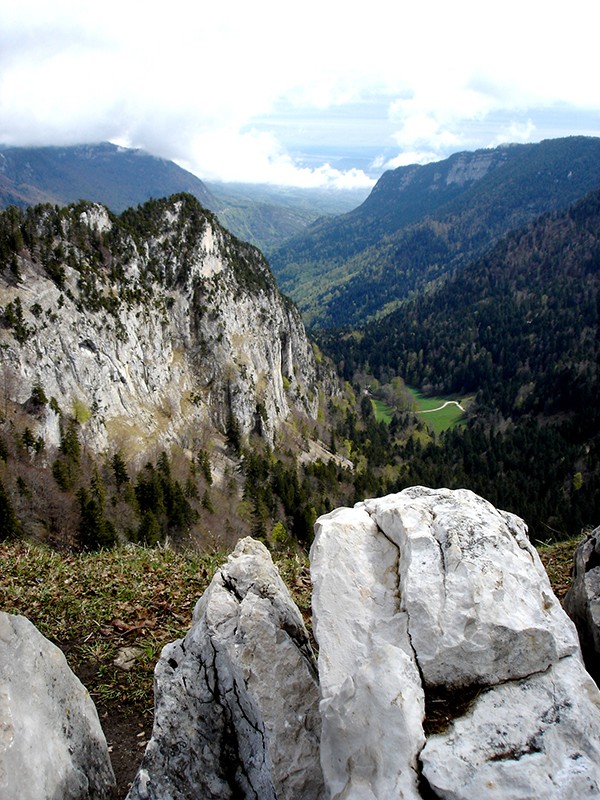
{"x":383,"y":412}
{"x":440,"y":413}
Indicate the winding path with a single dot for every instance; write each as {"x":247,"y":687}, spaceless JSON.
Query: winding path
{"x":447,"y":403}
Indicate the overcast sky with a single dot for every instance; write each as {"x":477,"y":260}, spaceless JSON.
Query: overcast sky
{"x":306,"y":93}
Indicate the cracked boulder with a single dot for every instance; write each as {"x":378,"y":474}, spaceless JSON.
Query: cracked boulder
{"x":433,"y":594}
{"x":582,"y":602}
{"x":236,"y":700}
{"x":51,"y":742}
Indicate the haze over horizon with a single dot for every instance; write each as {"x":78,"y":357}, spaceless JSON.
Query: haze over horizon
{"x":325,"y":96}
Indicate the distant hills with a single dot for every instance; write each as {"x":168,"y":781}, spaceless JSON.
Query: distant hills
{"x":104,"y":173}
{"x":122,"y":178}
{"x":421,"y":222}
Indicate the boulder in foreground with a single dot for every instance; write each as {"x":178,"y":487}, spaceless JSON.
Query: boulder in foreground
{"x":51,"y":744}
{"x":236,"y":700}
{"x":433,"y":593}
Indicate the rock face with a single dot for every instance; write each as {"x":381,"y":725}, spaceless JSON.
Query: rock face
{"x":236,"y":700}
{"x":51,"y":742}
{"x":582,"y":602}
{"x":149,"y":327}
{"x":433,"y":592}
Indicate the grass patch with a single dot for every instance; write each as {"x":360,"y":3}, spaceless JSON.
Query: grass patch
{"x":383,"y":412}
{"x":440,"y":413}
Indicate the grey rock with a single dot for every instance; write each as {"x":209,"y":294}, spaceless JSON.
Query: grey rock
{"x":535,"y":738}
{"x":215,"y":338}
{"x":236,"y":700}
{"x":51,"y":743}
{"x":582,"y":601}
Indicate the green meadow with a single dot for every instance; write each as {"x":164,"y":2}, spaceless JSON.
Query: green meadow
{"x":439,"y":413}
{"x":383,"y":412}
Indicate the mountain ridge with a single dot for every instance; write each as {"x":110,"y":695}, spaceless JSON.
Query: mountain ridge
{"x":372,"y":257}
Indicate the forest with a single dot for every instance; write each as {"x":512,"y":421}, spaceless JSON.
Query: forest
{"x":519,"y":329}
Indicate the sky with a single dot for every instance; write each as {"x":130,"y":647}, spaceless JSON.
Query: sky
{"x":317,"y":93}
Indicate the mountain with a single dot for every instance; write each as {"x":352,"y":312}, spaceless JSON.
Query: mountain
{"x":150,"y":318}
{"x":120,"y":178}
{"x":420,"y":222}
{"x":156,"y":331}
{"x":117,"y":177}
{"x":518,"y":329}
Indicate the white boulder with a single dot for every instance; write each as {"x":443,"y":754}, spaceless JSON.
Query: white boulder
{"x":373,"y":701}
{"x":51,"y":742}
{"x":479,"y":602}
{"x":433,"y":593}
{"x":236,"y":700}
{"x":534,"y":738}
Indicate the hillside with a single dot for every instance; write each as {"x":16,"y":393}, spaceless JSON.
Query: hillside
{"x":519,"y":329}
{"x":120,"y":178}
{"x":117,"y":177}
{"x":420,"y":222}
{"x":267,"y":215}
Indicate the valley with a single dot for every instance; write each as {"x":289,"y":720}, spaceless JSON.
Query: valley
{"x":153,"y":373}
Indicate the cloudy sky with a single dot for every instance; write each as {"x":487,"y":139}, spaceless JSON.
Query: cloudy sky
{"x":310,"y":93}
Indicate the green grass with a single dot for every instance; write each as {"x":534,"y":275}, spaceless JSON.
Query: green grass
{"x":445,"y":418}
{"x":383,"y":412}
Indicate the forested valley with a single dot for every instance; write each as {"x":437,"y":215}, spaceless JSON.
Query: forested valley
{"x":518,"y":329}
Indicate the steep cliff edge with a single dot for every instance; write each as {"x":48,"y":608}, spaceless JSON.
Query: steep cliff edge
{"x":148,"y":328}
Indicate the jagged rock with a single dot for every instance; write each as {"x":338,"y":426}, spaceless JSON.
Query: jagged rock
{"x":51,"y":742}
{"x":154,"y":336}
{"x":479,"y":600}
{"x":582,"y":601}
{"x":236,"y":700}
{"x":432,"y":590}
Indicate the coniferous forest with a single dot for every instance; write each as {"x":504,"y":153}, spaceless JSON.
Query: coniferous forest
{"x":518,"y":330}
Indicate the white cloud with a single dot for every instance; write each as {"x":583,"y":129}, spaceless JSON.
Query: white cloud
{"x":198,"y":82}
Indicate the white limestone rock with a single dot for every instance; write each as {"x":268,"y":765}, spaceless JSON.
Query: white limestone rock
{"x":51,"y":742}
{"x":373,"y":702}
{"x":196,"y":330}
{"x":236,"y":700}
{"x":479,"y":603}
{"x":436,"y":588}
{"x":534,"y":738}
{"x":582,"y":601}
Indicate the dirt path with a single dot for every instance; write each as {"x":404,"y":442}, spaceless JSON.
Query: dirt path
{"x":447,"y":403}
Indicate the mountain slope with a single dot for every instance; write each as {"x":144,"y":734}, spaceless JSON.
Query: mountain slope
{"x":159,"y":323}
{"x":117,"y":177}
{"x":267,"y":215}
{"x":420,"y":222}
{"x":520,"y":329}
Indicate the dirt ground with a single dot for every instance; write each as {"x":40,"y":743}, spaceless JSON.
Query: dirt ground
{"x":127,"y":736}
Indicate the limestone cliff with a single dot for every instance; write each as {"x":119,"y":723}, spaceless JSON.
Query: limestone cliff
{"x":148,"y":328}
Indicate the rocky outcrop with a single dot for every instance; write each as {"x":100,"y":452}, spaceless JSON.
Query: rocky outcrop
{"x":236,"y":700}
{"x":148,"y":328}
{"x":582,"y":601}
{"x":448,"y":668}
{"x":51,"y":742}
